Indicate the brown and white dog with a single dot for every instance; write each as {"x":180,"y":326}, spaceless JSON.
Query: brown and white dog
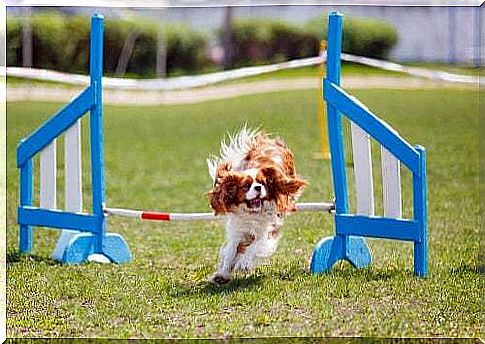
{"x":256,"y":186}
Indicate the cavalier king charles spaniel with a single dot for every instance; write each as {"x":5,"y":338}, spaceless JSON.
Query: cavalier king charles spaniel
{"x":255,"y":186}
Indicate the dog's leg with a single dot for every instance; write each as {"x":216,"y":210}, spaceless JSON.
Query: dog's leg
{"x":263,"y":247}
{"x":268,"y":247}
{"x":228,"y":255}
{"x":246,"y":260}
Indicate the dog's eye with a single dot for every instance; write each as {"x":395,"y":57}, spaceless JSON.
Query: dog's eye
{"x":246,"y":187}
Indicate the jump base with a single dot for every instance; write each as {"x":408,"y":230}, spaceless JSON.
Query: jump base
{"x":81,"y":249}
{"x":329,"y":250}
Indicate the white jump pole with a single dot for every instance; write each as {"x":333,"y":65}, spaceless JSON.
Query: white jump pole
{"x":160,"y":216}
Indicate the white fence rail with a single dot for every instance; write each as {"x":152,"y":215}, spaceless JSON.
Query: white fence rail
{"x":185,"y":82}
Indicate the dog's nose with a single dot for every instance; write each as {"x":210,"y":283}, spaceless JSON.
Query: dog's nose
{"x":257,"y":188}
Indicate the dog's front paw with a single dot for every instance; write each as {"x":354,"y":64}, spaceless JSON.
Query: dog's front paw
{"x":220,"y":279}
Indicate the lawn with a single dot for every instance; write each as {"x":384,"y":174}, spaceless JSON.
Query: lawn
{"x":155,"y":159}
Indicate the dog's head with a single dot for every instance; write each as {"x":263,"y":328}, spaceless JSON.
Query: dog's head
{"x":249,"y":190}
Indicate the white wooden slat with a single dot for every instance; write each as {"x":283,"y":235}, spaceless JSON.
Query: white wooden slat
{"x":391,"y":184}
{"x":364,"y":186}
{"x":48,"y":171}
{"x":73,"y":174}
{"x":73,"y":183}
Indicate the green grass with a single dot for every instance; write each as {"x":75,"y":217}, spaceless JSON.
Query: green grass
{"x":155,"y":159}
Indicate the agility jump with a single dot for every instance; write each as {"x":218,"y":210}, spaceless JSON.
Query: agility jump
{"x":84,"y":236}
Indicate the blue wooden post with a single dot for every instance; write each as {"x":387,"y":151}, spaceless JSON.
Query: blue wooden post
{"x":334,"y":119}
{"x":333,"y":115}
{"x":96,"y":123}
{"x":26,"y":191}
{"x":342,"y":246}
{"x":420,"y":215}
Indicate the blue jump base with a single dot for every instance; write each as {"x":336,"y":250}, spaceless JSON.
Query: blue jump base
{"x":90,"y":236}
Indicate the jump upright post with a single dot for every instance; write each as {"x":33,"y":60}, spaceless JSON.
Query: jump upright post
{"x":84,"y":236}
{"x":348,"y":242}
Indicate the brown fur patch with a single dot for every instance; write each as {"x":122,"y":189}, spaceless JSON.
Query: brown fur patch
{"x":246,"y":241}
{"x":273,"y":234}
{"x":282,"y":189}
{"x":228,"y":191}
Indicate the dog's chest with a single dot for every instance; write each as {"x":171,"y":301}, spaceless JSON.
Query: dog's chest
{"x":255,"y":224}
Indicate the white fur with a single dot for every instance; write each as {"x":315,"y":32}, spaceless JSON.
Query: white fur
{"x":252,"y":193}
{"x":234,"y":151}
{"x":243,"y":222}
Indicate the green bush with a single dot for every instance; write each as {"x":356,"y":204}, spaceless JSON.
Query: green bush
{"x":364,"y":37}
{"x":261,"y":41}
{"x":185,"y":49}
{"x":62,"y":44}
{"x":14,"y":38}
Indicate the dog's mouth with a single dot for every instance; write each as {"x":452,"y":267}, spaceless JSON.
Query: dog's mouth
{"x":255,"y":203}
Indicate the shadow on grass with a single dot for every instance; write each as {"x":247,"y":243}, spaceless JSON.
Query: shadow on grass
{"x":346,"y":271}
{"x":14,"y":257}
{"x":209,"y":288}
{"x":465,"y":269}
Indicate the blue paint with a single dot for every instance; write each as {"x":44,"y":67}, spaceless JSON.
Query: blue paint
{"x":82,"y":245}
{"x":92,"y":227}
{"x":348,"y":242}
{"x":58,"y":219}
{"x":54,"y":127}
{"x":326,"y":254}
{"x":371,"y":124}
{"x":420,"y":210}
{"x":96,"y":123}
{"x":378,"y":227}
{"x":26,"y":188}
{"x":116,"y":249}
{"x":322,"y":258}
{"x":358,"y":253}
{"x":335,"y":131}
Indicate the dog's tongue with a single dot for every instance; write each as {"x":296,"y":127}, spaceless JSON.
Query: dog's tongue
{"x":255,"y":203}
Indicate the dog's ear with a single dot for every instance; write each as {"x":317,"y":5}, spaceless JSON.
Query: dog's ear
{"x":292,"y":186}
{"x":222,"y":171}
{"x":271,"y":176}
{"x":278,"y":182}
{"x":226,"y":191}
{"x":281,"y":189}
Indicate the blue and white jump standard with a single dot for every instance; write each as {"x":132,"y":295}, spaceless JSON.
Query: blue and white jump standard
{"x":84,"y":236}
{"x":348,"y":242}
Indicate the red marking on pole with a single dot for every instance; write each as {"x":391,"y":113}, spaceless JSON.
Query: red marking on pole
{"x":155,"y":216}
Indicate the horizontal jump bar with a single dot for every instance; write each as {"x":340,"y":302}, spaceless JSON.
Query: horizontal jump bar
{"x":159,"y":216}
{"x":60,"y":219}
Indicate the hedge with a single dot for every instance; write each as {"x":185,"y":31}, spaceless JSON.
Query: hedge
{"x":62,"y":44}
{"x":262,"y":41}
{"x":361,"y":36}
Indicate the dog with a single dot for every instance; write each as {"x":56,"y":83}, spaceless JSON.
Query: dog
{"x":255,"y":186}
